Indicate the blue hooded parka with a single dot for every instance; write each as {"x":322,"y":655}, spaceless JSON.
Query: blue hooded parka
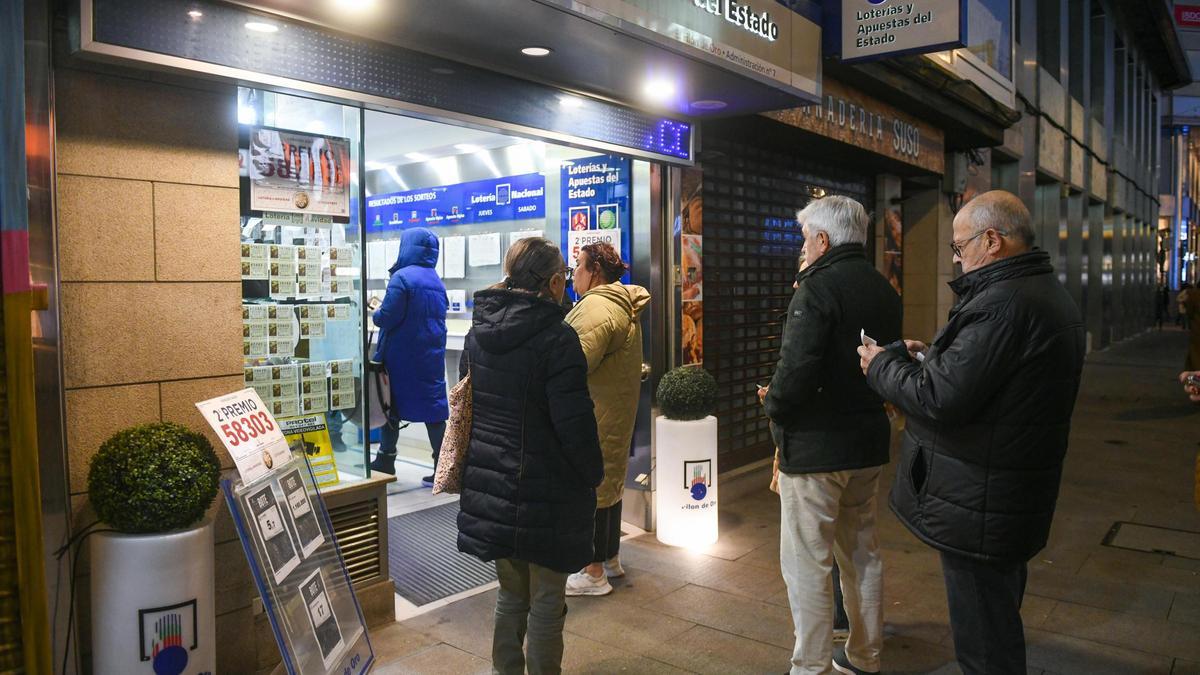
{"x":412,"y":322}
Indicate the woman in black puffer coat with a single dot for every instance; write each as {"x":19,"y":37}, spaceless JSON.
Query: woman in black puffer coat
{"x":534,"y":461}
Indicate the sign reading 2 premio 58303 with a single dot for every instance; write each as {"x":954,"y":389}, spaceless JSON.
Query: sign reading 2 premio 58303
{"x":876,"y":28}
{"x":483,"y":201}
{"x":595,"y":205}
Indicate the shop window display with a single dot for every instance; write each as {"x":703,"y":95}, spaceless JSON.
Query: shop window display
{"x":301,"y":274}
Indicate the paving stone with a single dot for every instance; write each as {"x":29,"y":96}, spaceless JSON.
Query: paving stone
{"x":1159,"y":637}
{"x":397,"y":641}
{"x":1183,"y":667}
{"x":705,"y":650}
{"x":730,"y":613}
{"x":466,"y":624}
{"x":1065,"y":654}
{"x":638,"y":630}
{"x":581,"y":655}
{"x":1186,"y":609}
{"x":1124,"y":597}
{"x":441,"y":659}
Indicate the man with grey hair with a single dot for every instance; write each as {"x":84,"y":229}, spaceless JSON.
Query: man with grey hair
{"x":832,"y":434}
{"x":988,"y":407}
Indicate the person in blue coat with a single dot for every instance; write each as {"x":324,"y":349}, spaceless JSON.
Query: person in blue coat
{"x":412,"y":346}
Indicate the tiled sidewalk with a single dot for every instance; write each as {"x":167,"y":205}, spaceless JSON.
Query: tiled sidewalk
{"x":1089,"y":608}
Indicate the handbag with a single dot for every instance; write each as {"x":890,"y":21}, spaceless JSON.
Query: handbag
{"x":379,"y":405}
{"x":452,"y":459}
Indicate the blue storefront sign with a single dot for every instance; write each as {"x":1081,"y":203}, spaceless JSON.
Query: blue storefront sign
{"x":483,"y":201}
{"x":595,"y":205}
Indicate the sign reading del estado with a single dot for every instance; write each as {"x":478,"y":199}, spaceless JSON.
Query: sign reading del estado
{"x":874,"y":28}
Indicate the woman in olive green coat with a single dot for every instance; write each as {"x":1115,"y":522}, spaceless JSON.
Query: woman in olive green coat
{"x":606,"y":319}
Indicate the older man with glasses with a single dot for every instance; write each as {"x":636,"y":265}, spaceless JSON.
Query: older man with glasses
{"x":988,"y":415}
{"x":832,"y":434}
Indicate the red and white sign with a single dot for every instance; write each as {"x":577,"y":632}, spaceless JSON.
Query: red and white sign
{"x":1188,"y":16}
{"x":578,"y":239}
{"x":249,"y":432}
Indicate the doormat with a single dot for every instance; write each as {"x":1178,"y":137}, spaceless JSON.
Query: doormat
{"x":424,"y":559}
{"x":1153,"y":539}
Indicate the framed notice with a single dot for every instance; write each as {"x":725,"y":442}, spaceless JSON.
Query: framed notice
{"x":298,"y":569}
{"x":294,"y":172}
{"x":267,"y":521}
{"x":320,"y":616}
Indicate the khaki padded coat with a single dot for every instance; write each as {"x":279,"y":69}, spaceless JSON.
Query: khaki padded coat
{"x":607,"y":321}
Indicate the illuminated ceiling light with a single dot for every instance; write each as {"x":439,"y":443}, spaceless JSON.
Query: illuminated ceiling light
{"x":570,"y":101}
{"x":709,"y":104}
{"x":446,"y":169}
{"x":659,"y":90}
{"x":416,"y":156}
{"x":372,"y":165}
{"x":536,"y":51}
{"x":262,"y":27}
{"x":195,"y":14}
{"x":315,"y":127}
{"x":467,"y":147}
{"x":355,"y":5}
{"x":247,"y":115}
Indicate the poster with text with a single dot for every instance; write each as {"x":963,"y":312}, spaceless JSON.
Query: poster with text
{"x":595,"y":205}
{"x":294,"y":172}
{"x":691,"y":256}
{"x":310,"y":435}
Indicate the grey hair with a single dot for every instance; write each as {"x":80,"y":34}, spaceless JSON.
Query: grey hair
{"x":842,"y":219}
{"x":1001,"y":211}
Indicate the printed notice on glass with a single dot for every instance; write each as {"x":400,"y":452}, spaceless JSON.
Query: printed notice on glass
{"x":294,"y":172}
{"x":268,"y":523}
{"x":320,"y":615}
{"x":454,"y":250}
{"x":485,"y":249}
{"x":308,"y":531}
{"x":246,"y":427}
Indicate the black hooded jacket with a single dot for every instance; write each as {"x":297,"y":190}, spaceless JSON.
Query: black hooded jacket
{"x":989,"y":412}
{"x":534,"y":461}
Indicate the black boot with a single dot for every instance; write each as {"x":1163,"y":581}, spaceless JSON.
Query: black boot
{"x":384,"y":463}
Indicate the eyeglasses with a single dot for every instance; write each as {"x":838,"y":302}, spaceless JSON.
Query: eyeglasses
{"x":957,"y":247}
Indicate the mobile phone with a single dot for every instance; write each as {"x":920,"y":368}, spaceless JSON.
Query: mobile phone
{"x":867,"y":340}
{"x":1192,"y":381}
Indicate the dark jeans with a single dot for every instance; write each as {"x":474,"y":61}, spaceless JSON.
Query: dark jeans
{"x":390,"y":434}
{"x":985,"y":614}
{"x":606,"y":541}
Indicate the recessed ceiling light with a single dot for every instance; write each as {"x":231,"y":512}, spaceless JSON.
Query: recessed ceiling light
{"x":372,"y":165}
{"x":261,"y":27}
{"x":195,"y":14}
{"x":570,"y":101}
{"x":536,"y":51}
{"x":467,"y":147}
{"x":416,"y":156}
{"x":659,"y":90}
{"x":709,"y":104}
{"x":355,"y":5}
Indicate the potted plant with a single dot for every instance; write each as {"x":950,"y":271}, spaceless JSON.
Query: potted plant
{"x":685,"y":497}
{"x":152,"y":567}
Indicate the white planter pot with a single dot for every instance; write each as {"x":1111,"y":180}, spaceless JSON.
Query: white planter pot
{"x":685,"y":497}
{"x":152,"y":603}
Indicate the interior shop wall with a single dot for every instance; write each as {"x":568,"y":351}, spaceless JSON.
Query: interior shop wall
{"x":151,"y":293}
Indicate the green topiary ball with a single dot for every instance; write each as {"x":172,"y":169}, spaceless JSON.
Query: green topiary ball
{"x":153,"y":478}
{"x":687,"y":393}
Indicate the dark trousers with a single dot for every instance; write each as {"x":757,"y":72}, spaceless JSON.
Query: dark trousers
{"x":985,"y":614}
{"x":390,"y":434}
{"x":840,"y":620}
{"x":606,"y":541}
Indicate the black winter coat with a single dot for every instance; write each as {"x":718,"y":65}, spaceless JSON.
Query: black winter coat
{"x":826,"y":417}
{"x":533,"y":462}
{"x":989,"y":412}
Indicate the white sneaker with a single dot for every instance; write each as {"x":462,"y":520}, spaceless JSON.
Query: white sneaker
{"x":581,"y":583}
{"x":613,"y":569}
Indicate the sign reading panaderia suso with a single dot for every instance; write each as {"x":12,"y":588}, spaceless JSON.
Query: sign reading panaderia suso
{"x":852,"y":117}
{"x":876,"y":28}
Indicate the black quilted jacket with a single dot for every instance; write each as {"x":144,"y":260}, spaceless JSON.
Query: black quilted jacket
{"x":533,"y":463}
{"x":989,"y":412}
